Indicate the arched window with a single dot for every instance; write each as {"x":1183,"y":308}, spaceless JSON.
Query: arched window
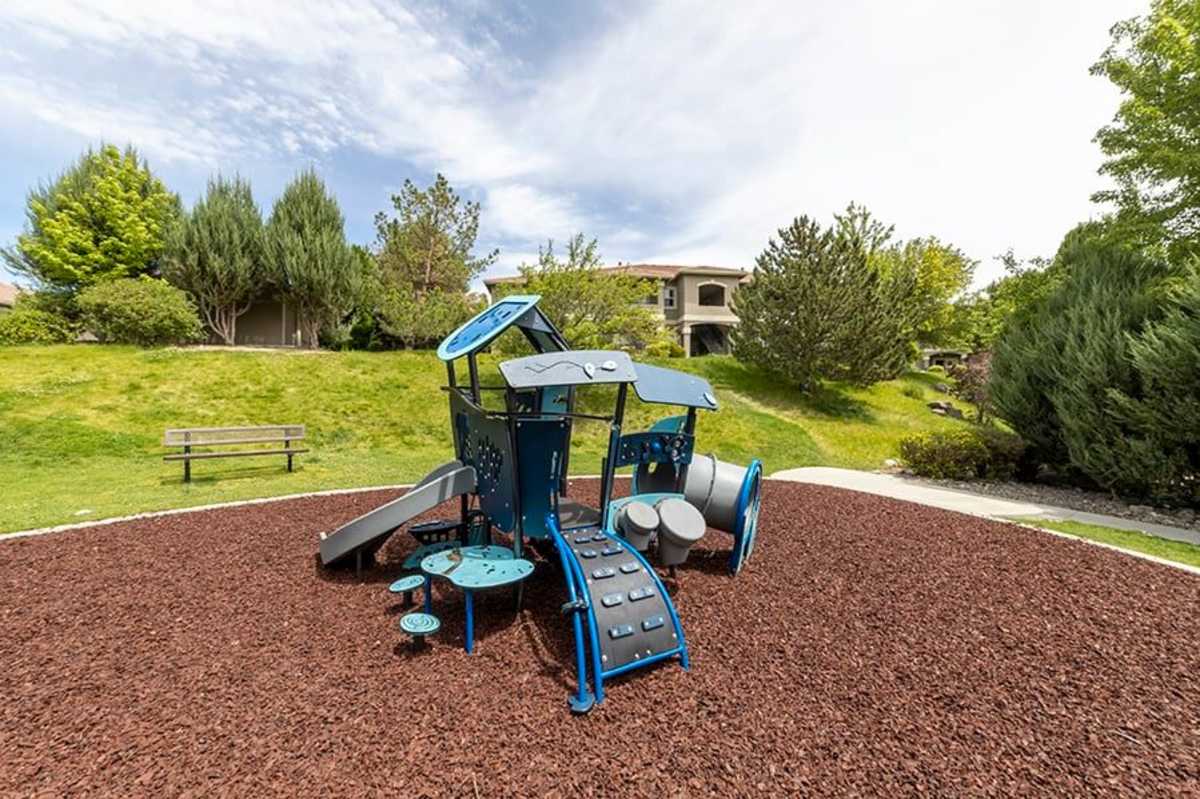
{"x":712,"y":294}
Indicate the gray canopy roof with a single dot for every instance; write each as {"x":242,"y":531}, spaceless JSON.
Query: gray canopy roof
{"x":672,"y":387}
{"x":583,"y":367}
{"x":569,"y":368}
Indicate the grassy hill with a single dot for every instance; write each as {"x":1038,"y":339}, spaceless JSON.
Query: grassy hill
{"x":81,"y":426}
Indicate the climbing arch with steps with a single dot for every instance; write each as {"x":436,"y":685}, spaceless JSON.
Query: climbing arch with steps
{"x":630,"y":619}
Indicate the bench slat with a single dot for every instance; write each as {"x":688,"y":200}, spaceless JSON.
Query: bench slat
{"x":225,"y":441}
{"x":192,"y":456}
{"x":197,"y":435}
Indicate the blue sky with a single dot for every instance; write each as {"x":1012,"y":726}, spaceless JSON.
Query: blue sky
{"x":672,"y":132}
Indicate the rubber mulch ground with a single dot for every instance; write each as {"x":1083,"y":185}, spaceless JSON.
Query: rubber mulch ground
{"x":871,"y":647}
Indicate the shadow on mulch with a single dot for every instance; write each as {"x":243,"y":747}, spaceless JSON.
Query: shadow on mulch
{"x":870,"y":647}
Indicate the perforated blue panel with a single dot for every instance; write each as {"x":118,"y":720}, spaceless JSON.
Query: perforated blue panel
{"x":483,"y":443}
{"x":486,"y":325}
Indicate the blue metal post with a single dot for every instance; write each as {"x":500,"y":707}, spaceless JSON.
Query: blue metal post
{"x":583,"y":699}
{"x":470,"y":621}
{"x":428,"y":594}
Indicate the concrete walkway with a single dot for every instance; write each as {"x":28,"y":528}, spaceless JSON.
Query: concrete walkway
{"x":896,"y":487}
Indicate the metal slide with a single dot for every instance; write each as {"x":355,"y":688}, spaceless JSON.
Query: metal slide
{"x":364,"y":535}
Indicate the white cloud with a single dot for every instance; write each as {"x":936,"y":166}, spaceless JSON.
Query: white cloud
{"x":519,"y":210}
{"x":684,"y":131}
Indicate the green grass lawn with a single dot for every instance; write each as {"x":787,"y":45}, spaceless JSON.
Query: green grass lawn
{"x":1176,"y":551}
{"x":81,"y":426}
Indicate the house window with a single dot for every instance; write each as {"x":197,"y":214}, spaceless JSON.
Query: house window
{"x":669,"y":297}
{"x":712,"y":294}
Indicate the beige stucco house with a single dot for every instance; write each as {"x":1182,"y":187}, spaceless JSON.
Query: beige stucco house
{"x":694,"y":301}
{"x":8,"y":296}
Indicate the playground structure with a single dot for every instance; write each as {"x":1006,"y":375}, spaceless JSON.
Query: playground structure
{"x":510,"y":474}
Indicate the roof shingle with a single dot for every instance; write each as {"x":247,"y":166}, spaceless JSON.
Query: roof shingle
{"x":659,"y":271}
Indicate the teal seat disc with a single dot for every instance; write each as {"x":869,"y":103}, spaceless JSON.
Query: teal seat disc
{"x":420,"y":624}
{"x":409,"y":582}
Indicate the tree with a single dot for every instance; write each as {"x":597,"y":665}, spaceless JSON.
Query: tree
{"x":429,"y":245}
{"x":1069,"y":377}
{"x":595,"y":308}
{"x":941,"y":273}
{"x":215,"y":253}
{"x":424,"y":321}
{"x":977,"y":319}
{"x":105,"y":217}
{"x":424,"y":262}
{"x":308,"y":259}
{"x":1151,"y":143}
{"x":817,"y":308}
{"x":920,"y":277}
{"x":1165,"y":413}
{"x":971,"y":383}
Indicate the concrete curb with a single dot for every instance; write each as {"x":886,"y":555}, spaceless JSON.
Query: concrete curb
{"x":63,"y":528}
{"x":238,"y":503}
{"x":984,"y":507}
{"x":1134,"y":553}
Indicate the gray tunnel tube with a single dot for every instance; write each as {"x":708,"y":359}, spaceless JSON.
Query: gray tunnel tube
{"x":713,"y":486}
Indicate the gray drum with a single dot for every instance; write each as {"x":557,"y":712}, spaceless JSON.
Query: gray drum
{"x":680,"y":525}
{"x":637,"y":521}
{"x":714,"y":487}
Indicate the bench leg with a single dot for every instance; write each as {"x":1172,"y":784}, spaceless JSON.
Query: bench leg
{"x":289,"y":462}
{"x":470,"y":621}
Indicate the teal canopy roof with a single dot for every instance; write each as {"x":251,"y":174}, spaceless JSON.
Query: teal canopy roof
{"x":484,"y":327}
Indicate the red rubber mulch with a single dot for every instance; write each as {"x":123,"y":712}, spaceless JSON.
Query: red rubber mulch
{"x":870,"y":647}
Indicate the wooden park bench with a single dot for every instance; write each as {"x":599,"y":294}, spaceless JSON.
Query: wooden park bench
{"x":190,"y":437}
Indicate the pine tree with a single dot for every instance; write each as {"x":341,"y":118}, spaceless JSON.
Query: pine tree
{"x":1166,"y":415}
{"x":216,"y":254}
{"x":309,"y":261}
{"x":1082,"y":377}
{"x":424,"y":262}
{"x":817,"y":308}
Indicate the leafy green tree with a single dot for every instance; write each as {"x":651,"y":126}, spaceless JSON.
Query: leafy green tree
{"x":1151,"y":144}
{"x":215,"y":253}
{"x":310,"y":263}
{"x":594,"y":308}
{"x":105,"y":217}
{"x":818,"y":309}
{"x":977,"y":319}
{"x":425,"y":261}
{"x":941,"y":273}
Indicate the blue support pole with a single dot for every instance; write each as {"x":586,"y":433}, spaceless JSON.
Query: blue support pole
{"x":428,"y":594}
{"x":583,"y":699}
{"x":470,"y":621}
